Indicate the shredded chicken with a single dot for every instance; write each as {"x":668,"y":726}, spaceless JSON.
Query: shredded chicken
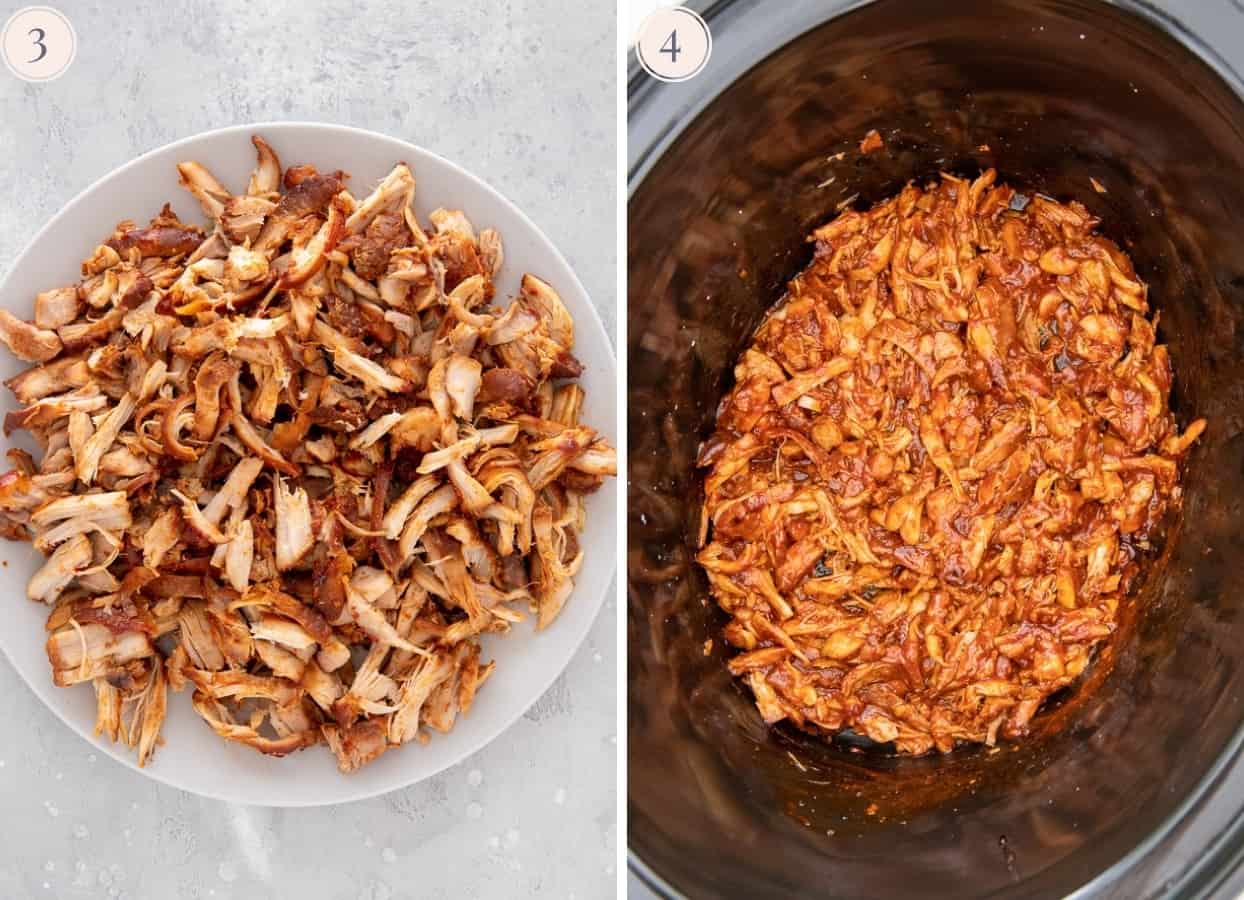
{"x":940,"y":469}
{"x":289,"y":463}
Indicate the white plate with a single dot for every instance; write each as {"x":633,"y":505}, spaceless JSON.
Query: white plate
{"x":193,"y":757}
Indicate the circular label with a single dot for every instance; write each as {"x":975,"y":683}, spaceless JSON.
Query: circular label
{"x":38,"y":43}
{"x":674,"y":44}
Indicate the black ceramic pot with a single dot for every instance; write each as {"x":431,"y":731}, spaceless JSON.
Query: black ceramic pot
{"x":1051,"y":93}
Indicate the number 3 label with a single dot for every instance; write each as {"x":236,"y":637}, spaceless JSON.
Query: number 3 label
{"x":38,"y":34}
{"x":38,"y":43}
{"x":674,"y":44}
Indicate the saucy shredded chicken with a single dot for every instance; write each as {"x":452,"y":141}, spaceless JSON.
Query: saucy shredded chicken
{"x":940,"y":468}
{"x":297,"y":462}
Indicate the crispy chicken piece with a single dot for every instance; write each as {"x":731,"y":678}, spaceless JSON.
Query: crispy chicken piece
{"x":242,"y":218}
{"x":224,"y":723}
{"x":357,"y":745}
{"x":211,"y":194}
{"x":81,"y":652}
{"x":462,"y":384}
{"x":491,"y":253}
{"x":370,"y":252}
{"x":266,"y":179}
{"x":404,"y":723}
{"x":66,"y":563}
{"x":333,"y":655}
{"x":148,"y":715}
{"x":293,"y":525}
{"x":552,"y":311}
{"x":107,"y":709}
{"x":64,"y":374}
{"x":437,"y":503}
{"x":254,"y":441}
{"x":27,"y":341}
{"x":240,"y":556}
{"x":56,"y":307}
{"x":310,"y":258}
{"x":285,"y":632}
{"x":61,"y":519}
{"x":199,"y":639}
{"x":394,"y":192}
{"x":373,"y":621}
{"x":234,"y":491}
{"x":372,"y":375}
{"x":86,"y":464}
{"x":157,"y":240}
{"x":550,"y":577}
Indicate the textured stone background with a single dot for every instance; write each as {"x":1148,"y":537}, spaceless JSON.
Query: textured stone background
{"x":521,"y":93}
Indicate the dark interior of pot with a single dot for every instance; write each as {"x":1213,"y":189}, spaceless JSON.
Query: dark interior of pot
{"x":1052,"y":93}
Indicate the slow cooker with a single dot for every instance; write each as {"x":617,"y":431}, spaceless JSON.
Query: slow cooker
{"x":1131,"y":785}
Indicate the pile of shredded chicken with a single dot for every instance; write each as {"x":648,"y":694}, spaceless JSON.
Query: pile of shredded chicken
{"x":297,"y":462}
{"x":940,"y":468}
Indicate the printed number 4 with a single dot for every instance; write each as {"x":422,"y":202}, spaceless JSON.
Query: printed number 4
{"x":671,"y":46}
{"x":38,"y":42}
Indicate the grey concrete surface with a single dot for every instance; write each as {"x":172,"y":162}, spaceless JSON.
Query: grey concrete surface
{"x":523,"y":94}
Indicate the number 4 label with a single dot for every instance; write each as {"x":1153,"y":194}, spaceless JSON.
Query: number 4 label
{"x":673,"y":44}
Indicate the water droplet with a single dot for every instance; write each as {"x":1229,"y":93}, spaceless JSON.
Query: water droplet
{"x":92,"y":758}
{"x":227,"y":871}
{"x":596,"y":657}
{"x":60,"y":776}
{"x":511,"y":837}
{"x":368,"y":842}
{"x":49,"y":866}
{"x":474,"y":810}
{"x":559,"y":797}
{"x":81,"y":832}
{"x":52,"y":810}
{"x":46,"y":886}
{"x":494,"y":842}
{"x":475,"y":778}
{"x":388,"y":854}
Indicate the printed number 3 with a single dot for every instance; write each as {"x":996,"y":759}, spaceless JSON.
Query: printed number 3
{"x":38,"y":42}
{"x":671,"y":46}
